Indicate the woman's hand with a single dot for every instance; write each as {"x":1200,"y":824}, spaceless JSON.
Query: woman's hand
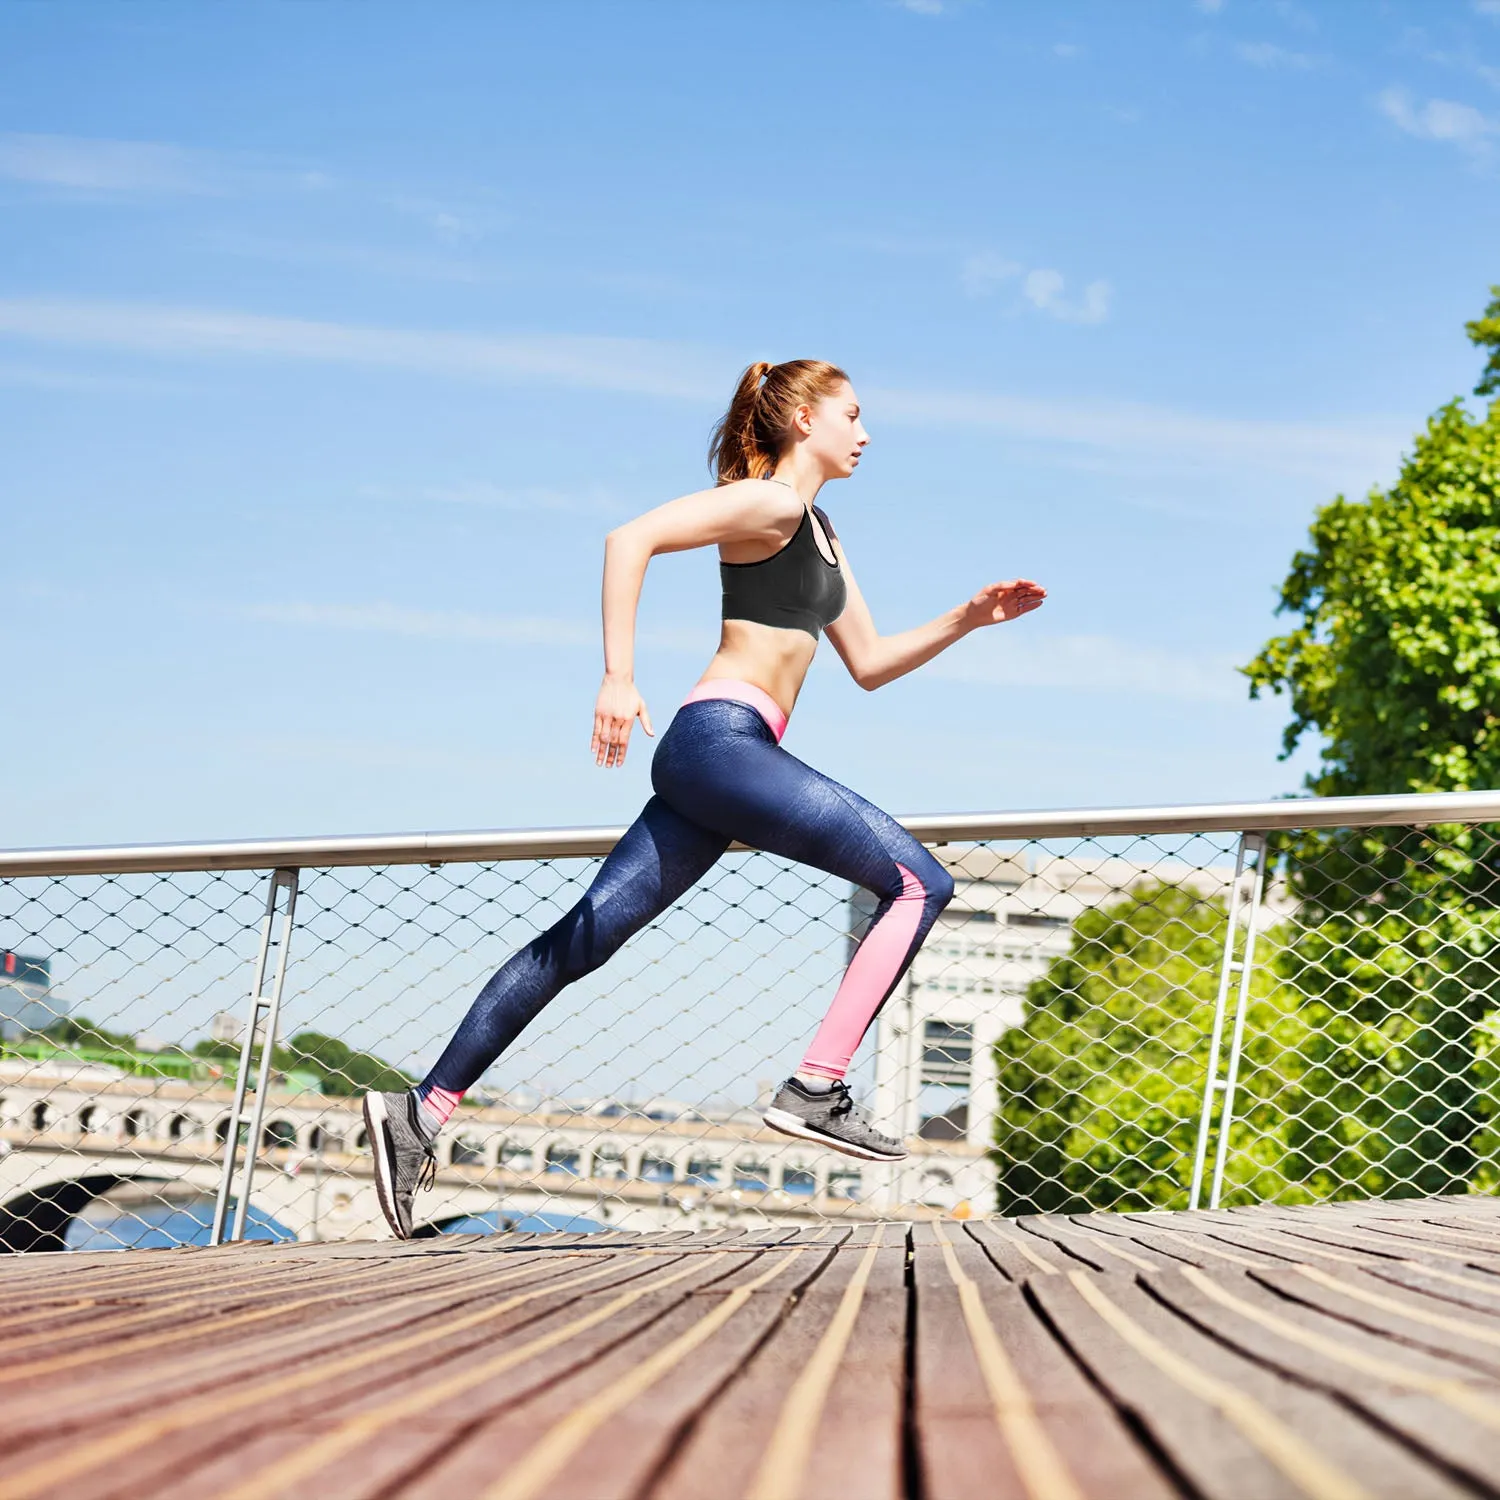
{"x":1003,"y":601}
{"x":615,"y":712}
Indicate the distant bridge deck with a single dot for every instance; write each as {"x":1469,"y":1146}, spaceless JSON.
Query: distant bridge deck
{"x":1331,"y":1352}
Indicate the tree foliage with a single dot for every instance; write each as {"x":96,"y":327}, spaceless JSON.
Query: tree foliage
{"x":343,"y":1069}
{"x":1395,"y":662}
{"x":1101,"y":1088}
{"x":1485,"y":333}
{"x":1373,"y":1048}
{"x":340,"y":1069}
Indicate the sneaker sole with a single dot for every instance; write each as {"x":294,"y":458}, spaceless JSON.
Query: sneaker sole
{"x":789,"y":1124}
{"x":375,"y":1117}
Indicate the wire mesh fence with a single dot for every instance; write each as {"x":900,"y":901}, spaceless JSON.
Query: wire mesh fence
{"x":1129,"y":1011}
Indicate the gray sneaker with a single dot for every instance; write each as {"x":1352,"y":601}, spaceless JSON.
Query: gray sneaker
{"x":832,"y":1119}
{"x":405,"y":1159}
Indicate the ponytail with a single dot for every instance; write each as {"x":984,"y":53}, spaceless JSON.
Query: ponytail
{"x":750,"y":437}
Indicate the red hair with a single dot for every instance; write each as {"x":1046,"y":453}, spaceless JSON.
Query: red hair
{"x":749,"y":438}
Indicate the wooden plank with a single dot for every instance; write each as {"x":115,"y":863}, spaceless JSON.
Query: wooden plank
{"x":1232,"y":1428}
{"x":1399,"y":1388}
{"x":1014,"y":1255}
{"x":858,"y":1431}
{"x":453,"y":1375}
{"x":1274,"y":1240}
{"x":420,"y":1327}
{"x":1404,"y":1315}
{"x":1176,"y":1247}
{"x":1100,"y":1252}
{"x":1375,"y":1244}
{"x":1035,"y":1425}
{"x":608,"y":1428}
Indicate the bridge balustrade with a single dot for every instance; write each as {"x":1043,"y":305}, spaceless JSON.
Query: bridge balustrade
{"x":1121,"y":1009}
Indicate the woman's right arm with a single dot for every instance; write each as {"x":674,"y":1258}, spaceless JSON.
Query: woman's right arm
{"x":747,"y":510}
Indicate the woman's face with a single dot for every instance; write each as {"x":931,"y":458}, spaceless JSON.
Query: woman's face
{"x":834,"y":434}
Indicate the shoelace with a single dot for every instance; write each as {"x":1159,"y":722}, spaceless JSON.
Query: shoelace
{"x":844,"y":1104}
{"x":428,"y":1175}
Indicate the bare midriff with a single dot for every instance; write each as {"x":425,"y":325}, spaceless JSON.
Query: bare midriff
{"x":775,"y":661}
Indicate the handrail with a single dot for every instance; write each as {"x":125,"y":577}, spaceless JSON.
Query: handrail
{"x":565,"y":843}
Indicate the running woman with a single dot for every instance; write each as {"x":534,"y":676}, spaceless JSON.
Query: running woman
{"x":719,"y":772}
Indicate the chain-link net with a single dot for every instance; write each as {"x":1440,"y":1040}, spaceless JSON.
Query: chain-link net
{"x":1050,"y":1050}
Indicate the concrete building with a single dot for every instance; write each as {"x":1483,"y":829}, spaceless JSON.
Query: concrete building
{"x":27,"y":1004}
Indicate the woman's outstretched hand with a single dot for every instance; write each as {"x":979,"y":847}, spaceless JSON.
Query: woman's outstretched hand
{"x":616,"y":709}
{"x":1003,"y":601}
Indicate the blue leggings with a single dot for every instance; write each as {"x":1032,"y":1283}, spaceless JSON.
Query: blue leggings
{"x":719,"y":775}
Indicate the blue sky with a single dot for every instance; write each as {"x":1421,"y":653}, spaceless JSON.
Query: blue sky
{"x":333,"y":338}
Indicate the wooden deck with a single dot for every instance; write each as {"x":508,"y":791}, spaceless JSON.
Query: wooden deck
{"x":1331,"y":1352}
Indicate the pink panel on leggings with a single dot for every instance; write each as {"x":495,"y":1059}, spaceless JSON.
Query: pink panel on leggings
{"x":438,"y":1105}
{"x":870,"y":974}
{"x":742,"y":692}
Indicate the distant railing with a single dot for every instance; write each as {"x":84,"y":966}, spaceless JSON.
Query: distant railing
{"x":1122,"y":1008}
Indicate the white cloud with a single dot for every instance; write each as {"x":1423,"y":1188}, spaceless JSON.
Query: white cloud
{"x":1065,"y":49}
{"x":1344,"y":454}
{"x":369,"y":258}
{"x":591,"y":363}
{"x":982,"y":273}
{"x":488,"y":496}
{"x":104,"y":166}
{"x":454,"y":625}
{"x":40,"y":378}
{"x":1488,"y":8}
{"x":1089,"y":663}
{"x":1209,"y":7}
{"x":1045,"y":289}
{"x":1347,"y":455}
{"x":1441,"y":120}
{"x":1295,"y":16}
{"x":1269,"y":55}
{"x":921,"y":7}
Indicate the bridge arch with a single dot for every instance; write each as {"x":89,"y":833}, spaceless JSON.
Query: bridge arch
{"x":38,"y":1219}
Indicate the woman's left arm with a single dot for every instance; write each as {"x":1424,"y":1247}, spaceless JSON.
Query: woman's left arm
{"x":874,"y":659}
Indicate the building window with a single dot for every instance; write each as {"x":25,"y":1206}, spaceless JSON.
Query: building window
{"x":279,"y":1135}
{"x":844,"y":1182}
{"x":657,"y":1169}
{"x":704,"y":1171}
{"x":752,"y":1176}
{"x":468,"y":1151}
{"x":799,"y":1182}
{"x":515,"y":1158}
{"x":609,"y":1162}
{"x":943,"y":1093}
{"x":562,"y":1158}
{"x":1034,"y":919}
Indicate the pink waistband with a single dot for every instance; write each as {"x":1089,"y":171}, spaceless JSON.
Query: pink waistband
{"x":742,"y":692}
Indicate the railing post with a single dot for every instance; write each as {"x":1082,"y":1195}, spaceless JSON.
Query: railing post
{"x":1254,"y":843}
{"x":1227,"y":966}
{"x":281,"y":880}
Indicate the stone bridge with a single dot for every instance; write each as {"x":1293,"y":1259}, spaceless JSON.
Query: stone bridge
{"x":69,"y":1135}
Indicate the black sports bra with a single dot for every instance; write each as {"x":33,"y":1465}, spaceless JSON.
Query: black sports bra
{"x":796,"y":588}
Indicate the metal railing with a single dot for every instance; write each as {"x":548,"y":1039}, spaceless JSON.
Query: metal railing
{"x":1121,"y":1008}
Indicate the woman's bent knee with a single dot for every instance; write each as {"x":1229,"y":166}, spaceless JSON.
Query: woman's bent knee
{"x":935,"y":881}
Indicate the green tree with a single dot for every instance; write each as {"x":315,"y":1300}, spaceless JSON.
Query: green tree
{"x":1101,"y":1088}
{"x":1485,"y":333}
{"x":1394,"y":660}
{"x":340,"y":1068}
{"x":79,"y":1031}
{"x":343,"y":1069}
